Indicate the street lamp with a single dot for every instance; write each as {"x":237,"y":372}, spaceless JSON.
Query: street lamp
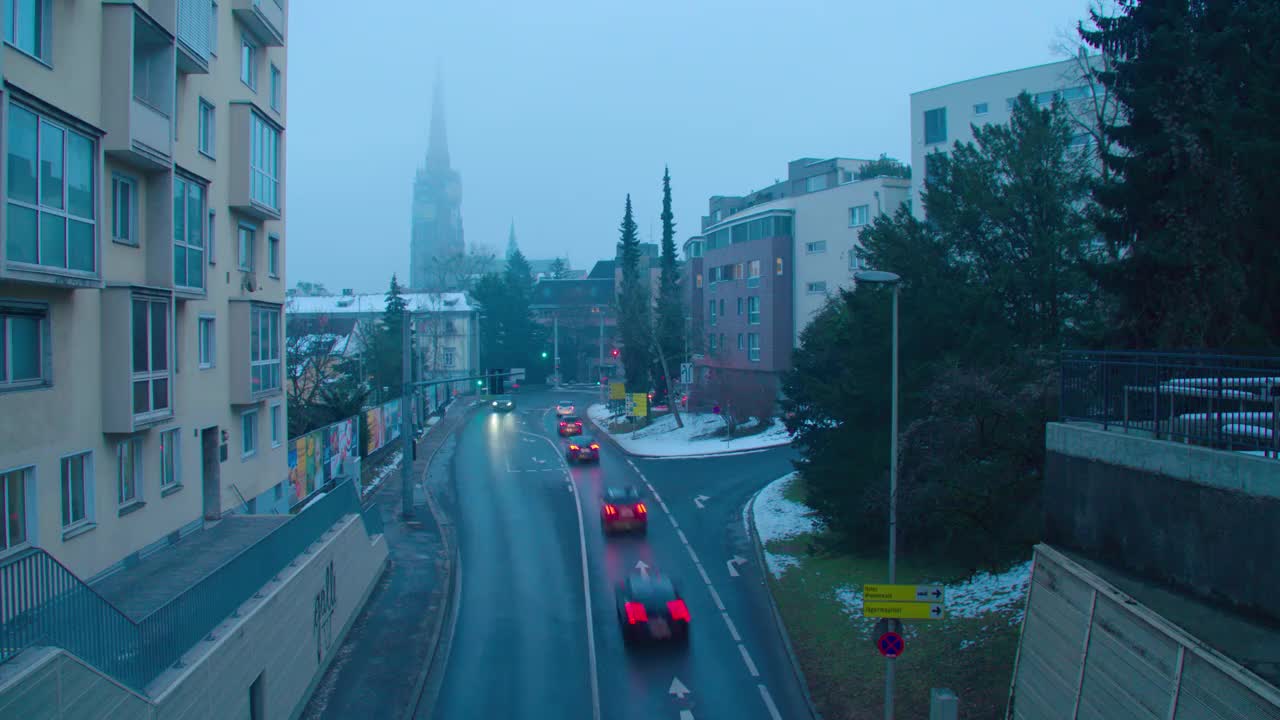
{"x":880,"y":277}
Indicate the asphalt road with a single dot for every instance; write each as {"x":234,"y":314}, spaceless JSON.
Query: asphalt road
{"x":536,"y":633}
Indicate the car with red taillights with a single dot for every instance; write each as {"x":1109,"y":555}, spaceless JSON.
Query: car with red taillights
{"x":582,"y":448}
{"x":570,"y":425}
{"x":650,"y":609}
{"x":623,"y":510}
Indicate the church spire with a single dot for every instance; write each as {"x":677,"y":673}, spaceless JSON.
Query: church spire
{"x":438,"y":145}
{"x":512,"y":248}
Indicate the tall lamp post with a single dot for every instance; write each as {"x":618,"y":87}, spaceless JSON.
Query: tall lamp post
{"x":880,"y":277}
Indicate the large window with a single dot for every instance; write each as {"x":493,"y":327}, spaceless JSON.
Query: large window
{"x":935,"y":126}
{"x":23,"y":333}
{"x":77,"y":484}
{"x":859,"y":215}
{"x":264,"y":171}
{"x":129,"y":471}
{"x":188,"y":233}
{"x":815,"y":183}
{"x":207,"y":342}
{"x":26,"y":26}
{"x":151,"y":367}
{"x":819,"y":246}
{"x":51,"y":194}
{"x":206,"y":127}
{"x":264,"y":348}
{"x":246,"y":248}
{"x":753,"y":310}
{"x":124,"y":209}
{"x":248,"y":63}
{"x":753,"y":347}
{"x":170,"y":458}
{"x":248,"y":433}
{"x":14,"y":486}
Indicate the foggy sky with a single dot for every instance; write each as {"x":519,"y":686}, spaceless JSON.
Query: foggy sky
{"x":556,"y":110}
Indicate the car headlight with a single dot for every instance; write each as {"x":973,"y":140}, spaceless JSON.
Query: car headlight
{"x":495,"y":403}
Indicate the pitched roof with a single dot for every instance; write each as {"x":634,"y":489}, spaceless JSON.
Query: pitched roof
{"x":375,"y":303}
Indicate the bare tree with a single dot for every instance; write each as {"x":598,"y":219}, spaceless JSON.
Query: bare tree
{"x":1099,"y":107}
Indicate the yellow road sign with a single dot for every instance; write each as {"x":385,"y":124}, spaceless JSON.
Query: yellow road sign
{"x":642,"y":404}
{"x":902,"y":593}
{"x":903,"y":610}
{"x":617,"y":391}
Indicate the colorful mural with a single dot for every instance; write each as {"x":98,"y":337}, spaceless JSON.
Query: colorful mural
{"x":320,"y":456}
{"x":384,"y":425}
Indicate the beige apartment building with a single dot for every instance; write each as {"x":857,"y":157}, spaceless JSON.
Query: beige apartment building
{"x":141,"y":272}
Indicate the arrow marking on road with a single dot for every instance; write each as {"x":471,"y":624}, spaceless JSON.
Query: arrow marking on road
{"x":678,"y":689}
{"x":643,"y":568}
{"x":732,"y":563}
{"x":699,"y":500}
{"x":686,"y":715}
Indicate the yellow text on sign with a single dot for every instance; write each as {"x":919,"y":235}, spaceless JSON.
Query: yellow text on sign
{"x":903,"y":610}
{"x":617,"y":391}
{"x":902,"y":593}
{"x":642,"y":404}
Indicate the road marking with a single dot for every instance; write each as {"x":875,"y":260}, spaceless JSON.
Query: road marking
{"x":643,"y":567}
{"x":692,"y":554}
{"x":716,"y":596}
{"x":664,"y":507}
{"x":686,"y":715}
{"x":746,"y":657}
{"x":703,"y":573}
{"x":678,"y":688}
{"x":700,"y":500}
{"x":735,"y":560}
{"x":672,"y":518}
{"x":768,"y":702}
{"x":683,"y":539}
{"x":655,"y":494}
{"x":733,"y":630}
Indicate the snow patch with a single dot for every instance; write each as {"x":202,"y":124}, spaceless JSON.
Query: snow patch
{"x":778,"y":518}
{"x":979,"y":595}
{"x":662,"y":438}
{"x":385,"y":471}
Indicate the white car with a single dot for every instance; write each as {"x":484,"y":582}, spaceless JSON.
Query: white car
{"x":564,"y":407}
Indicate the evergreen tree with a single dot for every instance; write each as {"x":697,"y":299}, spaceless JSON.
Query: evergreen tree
{"x":559,"y":269}
{"x":633,"y":308}
{"x":383,"y":347}
{"x":671,"y":310}
{"x":884,"y":166}
{"x":1189,"y":207}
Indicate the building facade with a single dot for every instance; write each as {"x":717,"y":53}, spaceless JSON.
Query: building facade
{"x":436,"y":246}
{"x":141,"y":271}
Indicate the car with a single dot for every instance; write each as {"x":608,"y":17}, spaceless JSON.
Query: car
{"x":565,"y":407}
{"x":622,"y":509}
{"x":650,"y":609}
{"x":582,"y":448}
{"x":503,"y":403}
{"x":570,"y":425}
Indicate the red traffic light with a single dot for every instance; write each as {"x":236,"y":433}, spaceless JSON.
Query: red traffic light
{"x":614,"y":352}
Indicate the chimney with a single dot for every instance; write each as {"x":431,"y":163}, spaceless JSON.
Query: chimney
{"x":346,"y":292}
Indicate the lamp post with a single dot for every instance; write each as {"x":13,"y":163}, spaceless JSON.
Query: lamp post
{"x":880,"y":277}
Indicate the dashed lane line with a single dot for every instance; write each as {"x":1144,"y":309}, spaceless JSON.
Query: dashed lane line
{"x":683,"y":539}
{"x":703,"y":573}
{"x":716,"y":596}
{"x":746,"y":658}
{"x":768,"y":702}
{"x":733,"y":629}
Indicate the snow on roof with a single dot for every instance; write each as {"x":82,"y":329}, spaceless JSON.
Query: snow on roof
{"x":375,"y":303}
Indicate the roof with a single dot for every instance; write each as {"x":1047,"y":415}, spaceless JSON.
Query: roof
{"x":375,"y":303}
{"x":569,"y":293}
{"x":543,"y":265}
{"x":603,"y":270}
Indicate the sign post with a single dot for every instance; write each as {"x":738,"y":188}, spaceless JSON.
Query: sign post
{"x":686,"y":373}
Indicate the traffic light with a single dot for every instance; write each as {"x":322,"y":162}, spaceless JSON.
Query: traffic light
{"x":614,"y":352}
{"x":544,"y":354}
{"x":480,"y":383}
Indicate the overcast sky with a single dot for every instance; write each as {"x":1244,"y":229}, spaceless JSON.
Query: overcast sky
{"x":557,"y":109}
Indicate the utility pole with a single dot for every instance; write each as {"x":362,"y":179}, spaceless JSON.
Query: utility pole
{"x":555,"y":326}
{"x":406,"y":420}
{"x":600,"y":361}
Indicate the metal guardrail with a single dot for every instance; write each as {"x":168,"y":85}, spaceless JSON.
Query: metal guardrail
{"x":1229,"y":402}
{"x":44,"y":603}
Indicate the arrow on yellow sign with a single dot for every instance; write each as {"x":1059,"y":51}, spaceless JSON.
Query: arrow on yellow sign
{"x":903,"y":610}
{"x":903,"y":593}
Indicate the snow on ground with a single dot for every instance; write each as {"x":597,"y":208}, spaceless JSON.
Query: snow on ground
{"x":663,"y":439}
{"x":981,"y":594}
{"x":392,"y":465}
{"x":778,"y":518}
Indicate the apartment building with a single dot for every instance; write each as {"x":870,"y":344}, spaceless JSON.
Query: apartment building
{"x":943,"y":116}
{"x":765,"y":263}
{"x":141,"y":272}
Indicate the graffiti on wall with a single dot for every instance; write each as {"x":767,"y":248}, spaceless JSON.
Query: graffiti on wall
{"x":384,"y":425}
{"x":320,"y":456}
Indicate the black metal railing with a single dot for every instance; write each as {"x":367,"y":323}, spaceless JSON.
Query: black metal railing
{"x":1229,"y":402}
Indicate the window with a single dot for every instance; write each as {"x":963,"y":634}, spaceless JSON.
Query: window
{"x":246,"y":248}
{"x":935,"y":126}
{"x":450,"y":357}
{"x":207,"y":342}
{"x":26,"y":26}
{"x":275,"y":426}
{"x":713,"y":312}
{"x":248,"y":433}
{"x":51,"y":194}
{"x":213,"y":29}
{"x":209,"y":237}
{"x":697,"y":280}
{"x":24,"y":334}
{"x":739,"y":271}
{"x":816,"y":287}
{"x":741,"y":345}
{"x":275,"y":88}
{"x":188,"y":233}
{"x":815,"y":183}
{"x":273,"y":256}
{"x":150,"y":356}
{"x":777,"y":266}
{"x":170,"y":458}
{"x":1010,"y":102}
{"x":711,"y":342}
{"x":722,"y":306}
{"x":753,"y":273}
{"x":129,"y":471}
{"x":248,"y":63}
{"x":264,"y":348}
{"x":980,"y":109}
{"x":14,"y":486}
{"x":856,"y":262}
{"x":753,"y":311}
{"x":739,"y":306}
{"x":77,"y":483}
{"x":205,"y":127}
{"x":264,"y":165}
{"x":859,"y":215}
{"x":816,"y":247}
{"x":753,"y":347}
{"x":124,"y":209}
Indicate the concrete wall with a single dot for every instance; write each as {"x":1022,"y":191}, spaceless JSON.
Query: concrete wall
{"x":1088,"y":650}
{"x":287,"y":638}
{"x":1199,"y":519}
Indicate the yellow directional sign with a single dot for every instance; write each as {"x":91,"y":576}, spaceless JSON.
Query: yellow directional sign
{"x":642,"y":404}
{"x":617,"y":391}
{"x":903,"y":593}
{"x":903,"y":610}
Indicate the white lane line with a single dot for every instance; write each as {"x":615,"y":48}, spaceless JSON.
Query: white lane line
{"x":703,"y":573}
{"x":664,"y":507}
{"x":693,"y":554}
{"x":683,"y":539}
{"x":768,"y":702}
{"x":716,"y":596}
{"x":656,"y":496}
{"x":733,"y":629}
{"x":672,"y":518}
{"x":586,"y":583}
{"x":746,"y":658}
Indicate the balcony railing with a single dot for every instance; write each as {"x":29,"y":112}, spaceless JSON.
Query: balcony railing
{"x":1229,"y":402}
{"x":44,"y":603}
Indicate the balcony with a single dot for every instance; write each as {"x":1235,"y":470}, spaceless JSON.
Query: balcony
{"x":194,"y":36}
{"x":255,"y":188}
{"x":257,"y":366}
{"x":138,"y":67}
{"x":264,"y":19}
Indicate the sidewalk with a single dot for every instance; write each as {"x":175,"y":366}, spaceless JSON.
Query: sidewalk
{"x":377,"y":671}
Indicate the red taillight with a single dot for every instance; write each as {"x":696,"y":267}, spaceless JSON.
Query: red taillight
{"x":678,"y":610}
{"x":610,"y":510}
{"x":641,"y":509}
{"x":563,"y":423}
{"x":595,"y":446}
{"x":574,"y":448}
{"x":636,"y":613}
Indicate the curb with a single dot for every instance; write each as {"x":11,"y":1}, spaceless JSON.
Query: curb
{"x":750,"y":515}
{"x":601,"y":431}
